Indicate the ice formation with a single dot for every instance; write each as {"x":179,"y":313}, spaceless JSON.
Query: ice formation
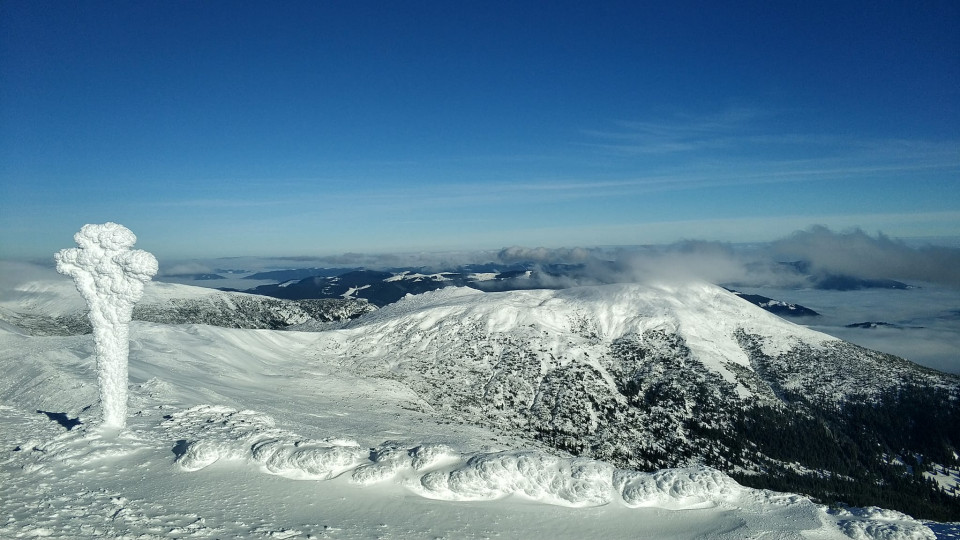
{"x":110,"y":276}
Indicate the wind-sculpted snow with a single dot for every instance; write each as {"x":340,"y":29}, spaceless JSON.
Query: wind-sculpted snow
{"x":220,"y":433}
{"x":316,"y":460}
{"x":874,"y":523}
{"x":438,"y":471}
{"x":690,"y":487}
{"x":211,"y":434}
{"x":539,"y":476}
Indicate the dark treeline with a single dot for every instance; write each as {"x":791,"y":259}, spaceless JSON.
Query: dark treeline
{"x":863,"y":454}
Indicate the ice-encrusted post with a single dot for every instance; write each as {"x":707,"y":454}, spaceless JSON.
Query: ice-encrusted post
{"x":110,"y":277}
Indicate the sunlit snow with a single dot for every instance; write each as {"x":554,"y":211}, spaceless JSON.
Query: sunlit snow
{"x":264,"y":434}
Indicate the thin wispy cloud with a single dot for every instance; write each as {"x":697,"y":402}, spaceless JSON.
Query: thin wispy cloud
{"x":682,"y":133}
{"x":742,"y":137}
{"x":219,"y":203}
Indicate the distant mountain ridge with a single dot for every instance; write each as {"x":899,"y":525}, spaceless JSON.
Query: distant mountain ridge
{"x":196,"y":277}
{"x":358,"y":282}
{"x":382,"y":287}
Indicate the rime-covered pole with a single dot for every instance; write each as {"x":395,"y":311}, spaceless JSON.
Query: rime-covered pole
{"x":110,"y":277}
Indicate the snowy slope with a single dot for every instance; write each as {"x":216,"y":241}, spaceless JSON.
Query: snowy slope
{"x":707,"y":316}
{"x":509,"y":346}
{"x":244,"y":433}
{"x":376,"y":430}
{"x":47,"y":303}
{"x":668,"y":375}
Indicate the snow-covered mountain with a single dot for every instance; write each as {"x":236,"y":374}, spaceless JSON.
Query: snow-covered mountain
{"x":650,"y":376}
{"x":389,"y":426}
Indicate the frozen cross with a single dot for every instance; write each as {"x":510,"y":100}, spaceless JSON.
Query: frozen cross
{"x":110,"y":276}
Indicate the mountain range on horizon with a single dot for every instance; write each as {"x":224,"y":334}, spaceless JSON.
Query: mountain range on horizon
{"x":382,"y":287}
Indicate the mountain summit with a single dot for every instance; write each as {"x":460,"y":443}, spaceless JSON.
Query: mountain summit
{"x":668,"y":375}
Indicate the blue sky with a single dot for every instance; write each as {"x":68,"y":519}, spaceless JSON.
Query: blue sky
{"x":312,"y":128}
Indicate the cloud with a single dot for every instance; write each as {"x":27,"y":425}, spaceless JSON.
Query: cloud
{"x":15,"y":273}
{"x":825,"y":252}
{"x":543,"y":255}
{"x":858,"y":254}
{"x":185,"y":268}
{"x":716,"y":262}
{"x":682,"y":133}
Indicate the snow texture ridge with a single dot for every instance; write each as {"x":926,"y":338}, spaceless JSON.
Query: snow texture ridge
{"x":689,"y":487}
{"x":209,"y":434}
{"x":536,"y":475}
{"x":441,"y":472}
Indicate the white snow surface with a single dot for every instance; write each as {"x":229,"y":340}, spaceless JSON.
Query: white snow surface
{"x":353,"y":290}
{"x":263,"y":434}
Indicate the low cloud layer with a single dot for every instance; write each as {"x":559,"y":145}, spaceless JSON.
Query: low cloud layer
{"x":517,"y":254}
{"x":859,"y":254}
{"x":186,"y":268}
{"x":819,"y":251}
{"x":709,"y":261}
